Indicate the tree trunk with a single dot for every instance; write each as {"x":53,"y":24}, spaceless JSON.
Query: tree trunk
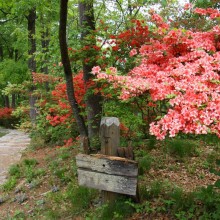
{"x":93,"y":101}
{"x":1,"y":53}
{"x":7,"y":101}
{"x":67,"y":70}
{"x":16,"y":55}
{"x":45,"y":45}
{"x":13,"y":99}
{"x":11,"y":53}
{"x":31,"y":61}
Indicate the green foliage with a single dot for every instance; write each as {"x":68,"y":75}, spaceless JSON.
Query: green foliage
{"x":131,"y":124}
{"x":2,"y":134}
{"x":80,"y":198}
{"x":145,"y":164}
{"x":210,"y":139}
{"x":64,"y":154}
{"x":9,"y":122}
{"x":19,"y":215}
{"x":119,"y":209}
{"x":151,"y":143}
{"x":30,"y":162}
{"x":13,"y":71}
{"x":62,"y":174}
{"x":200,"y":204}
{"x":210,"y":200}
{"x":30,"y":171}
{"x":45,"y":133}
{"x":37,"y":141}
{"x":22,"y":114}
{"x":181,"y":147}
{"x":15,"y":170}
{"x":154,"y":190}
{"x":179,"y":200}
{"x":9,"y":184}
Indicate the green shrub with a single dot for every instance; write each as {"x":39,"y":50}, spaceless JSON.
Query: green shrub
{"x":9,"y":184}
{"x":145,"y":163}
{"x":117,"y":210}
{"x":15,"y":170}
{"x":201,"y":204}
{"x":80,"y":198}
{"x":210,"y":199}
{"x":30,"y":162}
{"x":181,"y":147}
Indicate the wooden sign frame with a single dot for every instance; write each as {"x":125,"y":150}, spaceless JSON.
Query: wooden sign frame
{"x":108,"y":173}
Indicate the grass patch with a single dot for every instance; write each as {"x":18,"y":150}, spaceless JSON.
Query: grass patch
{"x":9,"y":184}
{"x":182,"y":147}
{"x":117,"y":210}
{"x":2,"y":134}
{"x":15,"y":170}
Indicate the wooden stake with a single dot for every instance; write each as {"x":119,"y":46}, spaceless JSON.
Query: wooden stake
{"x":110,"y":141}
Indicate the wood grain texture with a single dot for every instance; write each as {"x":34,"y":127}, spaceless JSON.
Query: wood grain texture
{"x":108,"y":173}
{"x":107,"y":164}
{"x":118,"y":184}
{"x":109,"y":135}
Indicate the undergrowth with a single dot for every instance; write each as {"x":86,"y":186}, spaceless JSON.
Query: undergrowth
{"x":62,"y":198}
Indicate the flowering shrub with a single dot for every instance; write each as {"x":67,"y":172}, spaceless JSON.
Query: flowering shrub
{"x":53,"y":122}
{"x":181,"y":68}
{"x":61,"y":111}
{"x":6,"y":118}
{"x":42,"y":78}
{"x":5,"y":112}
{"x":55,"y":115}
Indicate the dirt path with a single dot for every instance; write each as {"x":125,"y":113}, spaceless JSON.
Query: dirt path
{"x":11,"y":146}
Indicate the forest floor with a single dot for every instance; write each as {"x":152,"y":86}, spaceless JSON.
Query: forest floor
{"x":43,"y":185}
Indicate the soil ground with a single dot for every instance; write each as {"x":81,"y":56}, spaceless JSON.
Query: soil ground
{"x":188,"y":173}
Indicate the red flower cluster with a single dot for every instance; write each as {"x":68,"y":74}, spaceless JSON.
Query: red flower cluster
{"x":133,"y":37}
{"x":62,"y":112}
{"x":5,"y":112}
{"x":212,"y":13}
{"x":42,"y":78}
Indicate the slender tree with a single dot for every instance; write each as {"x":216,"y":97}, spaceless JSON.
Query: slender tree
{"x":31,"y":18}
{"x":93,"y":101}
{"x":67,"y":70}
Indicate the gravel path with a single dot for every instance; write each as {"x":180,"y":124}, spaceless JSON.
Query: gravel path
{"x":11,"y":146}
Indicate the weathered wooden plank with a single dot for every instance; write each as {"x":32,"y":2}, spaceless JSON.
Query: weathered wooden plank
{"x":107,"y":164}
{"x":118,"y":184}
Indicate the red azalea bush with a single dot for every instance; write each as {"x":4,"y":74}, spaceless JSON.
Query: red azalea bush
{"x":178,"y":67}
{"x":62,"y":112}
{"x":174,"y":69}
{"x":5,"y":113}
{"x":55,"y":115}
{"x":6,"y":118}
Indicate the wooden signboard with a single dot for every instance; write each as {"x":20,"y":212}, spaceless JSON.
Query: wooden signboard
{"x":109,"y":173}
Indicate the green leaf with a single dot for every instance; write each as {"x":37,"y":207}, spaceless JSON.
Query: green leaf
{"x":217,"y":184}
{"x":171,"y":96}
{"x":164,"y":3}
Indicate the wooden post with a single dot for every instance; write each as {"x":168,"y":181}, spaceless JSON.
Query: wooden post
{"x":110,"y":140}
